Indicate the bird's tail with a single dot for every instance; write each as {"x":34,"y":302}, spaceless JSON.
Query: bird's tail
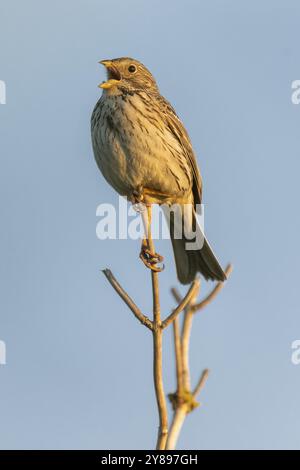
{"x":192,"y":251}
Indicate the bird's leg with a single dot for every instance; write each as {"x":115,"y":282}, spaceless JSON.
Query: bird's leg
{"x":147,"y":254}
{"x":137,"y":197}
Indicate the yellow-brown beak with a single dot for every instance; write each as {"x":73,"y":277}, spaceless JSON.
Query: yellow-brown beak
{"x":113,"y":74}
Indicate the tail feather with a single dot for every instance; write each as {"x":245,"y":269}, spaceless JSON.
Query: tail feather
{"x":190,"y":261}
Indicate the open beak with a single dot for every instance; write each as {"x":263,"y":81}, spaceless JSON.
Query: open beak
{"x":113,"y":75}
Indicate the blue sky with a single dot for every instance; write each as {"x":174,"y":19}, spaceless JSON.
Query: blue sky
{"x":78,"y":372}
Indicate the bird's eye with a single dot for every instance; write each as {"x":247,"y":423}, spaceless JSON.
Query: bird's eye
{"x":132,"y":68}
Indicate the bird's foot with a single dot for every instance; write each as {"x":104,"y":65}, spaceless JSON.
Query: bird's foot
{"x":151,"y":260}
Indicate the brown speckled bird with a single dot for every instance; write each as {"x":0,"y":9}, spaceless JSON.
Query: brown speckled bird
{"x":145,"y":153}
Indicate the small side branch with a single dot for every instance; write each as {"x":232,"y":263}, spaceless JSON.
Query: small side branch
{"x":201,"y":383}
{"x":211,"y":296}
{"x":128,"y":300}
{"x":184,"y":302}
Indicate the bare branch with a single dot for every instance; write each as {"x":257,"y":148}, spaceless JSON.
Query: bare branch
{"x":176,"y":425}
{"x":182,"y":411}
{"x":176,"y":294}
{"x":128,"y":301}
{"x":178,"y":356}
{"x":157,"y":348}
{"x":185,"y":346}
{"x":184,"y":401}
{"x":202,"y":381}
{"x":184,"y":302}
{"x":159,"y":389}
{"x":213,"y":293}
{"x":185,"y":341}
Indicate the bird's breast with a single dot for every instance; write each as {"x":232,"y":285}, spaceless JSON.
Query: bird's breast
{"x":134,"y":147}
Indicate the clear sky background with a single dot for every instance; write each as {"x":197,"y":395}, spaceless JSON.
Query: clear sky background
{"x":78,"y":372}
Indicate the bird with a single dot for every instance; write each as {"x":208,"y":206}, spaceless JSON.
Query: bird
{"x":144,"y":152}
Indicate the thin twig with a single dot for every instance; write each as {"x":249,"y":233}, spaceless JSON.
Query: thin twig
{"x":176,"y":294}
{"x":185,"y":346}
{"x":201,"y":383}
{"x":214,"y":292}
{"x":178,"y":356}
{"x":185,"y":341}
{"x":128,"y":300}
{"x":159,"y":390}
{"x":184,"y":302}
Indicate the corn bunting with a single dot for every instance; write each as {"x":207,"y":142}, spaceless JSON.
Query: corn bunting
{"x":144,"y":152}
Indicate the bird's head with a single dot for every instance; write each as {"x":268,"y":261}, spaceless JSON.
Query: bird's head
{"x":126,"y":73}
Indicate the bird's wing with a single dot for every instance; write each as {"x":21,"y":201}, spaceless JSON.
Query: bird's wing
{"x":176,"y":127}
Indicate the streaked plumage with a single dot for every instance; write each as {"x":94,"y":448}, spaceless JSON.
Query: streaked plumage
{"x":141,"y":147}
